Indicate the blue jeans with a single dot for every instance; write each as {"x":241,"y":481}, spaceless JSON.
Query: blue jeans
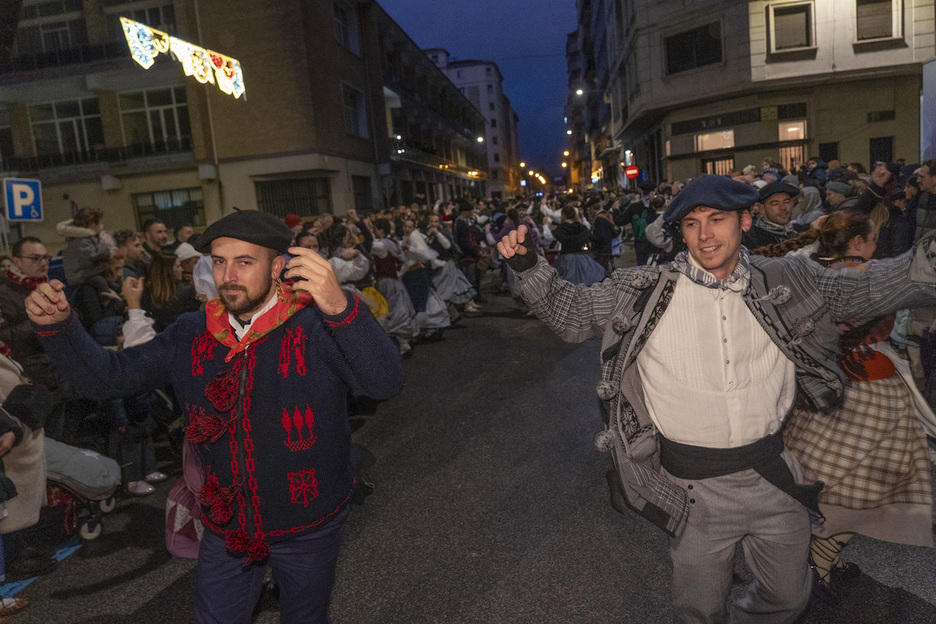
{"x":303,"y":567}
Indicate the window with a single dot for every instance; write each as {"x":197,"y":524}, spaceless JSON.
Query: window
{"x":877,"y":19}
{"x":458,"y":73}
{"x":175,"y":208}
{"x":69,"y":127}
{"x":354,"y":113}
{"x":792,"y":157}
{"x":6,"y":139}
{"x":714,"y":141}
{"x":695,"y":48}
{"x":346,"y":31}
{"x":719,"y":166}
{"x":159,"y":118}
{"x":882,"y":149}
{"x":792,"y":26}
{"x":493,"y":123}
{"x":494,"y":174}
{"x":497,"y":158}
{"x":157,"y":14}
{"x":302,"y":196}
{"x":491,"y":106}
{"x":363,"y":200}
{"x":792,"y":131}
{"x":488,"y":71}
{"x":51,"y":26}
{"x":494,"y":140}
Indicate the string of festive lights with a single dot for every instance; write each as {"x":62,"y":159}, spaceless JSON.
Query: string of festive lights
{"x":205,"y":65}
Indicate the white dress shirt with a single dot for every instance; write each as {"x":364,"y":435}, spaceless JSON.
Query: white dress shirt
{"x":711,"y":375}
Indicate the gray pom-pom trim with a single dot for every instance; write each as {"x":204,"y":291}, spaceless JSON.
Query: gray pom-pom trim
{"x":604,"y":441}
{"x":621,"y":324}
{"x":641,"y":281}
{"x":606,"y":390}
{"x":779,"y":294}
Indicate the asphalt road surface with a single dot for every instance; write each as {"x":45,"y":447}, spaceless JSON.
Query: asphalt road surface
{"x":491,"y":507}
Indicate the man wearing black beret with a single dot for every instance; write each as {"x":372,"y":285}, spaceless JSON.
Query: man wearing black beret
{"x":773,"y":224}
{"x":702,"y":359}
{"x":263,"y":375}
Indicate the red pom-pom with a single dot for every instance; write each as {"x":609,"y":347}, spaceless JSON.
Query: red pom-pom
{"x":258,"y":550}
{"x":220,"y":513}
{"x":237,"y":541}
{"x":209,"y":492}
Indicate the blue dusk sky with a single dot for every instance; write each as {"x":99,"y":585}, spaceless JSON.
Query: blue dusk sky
{"x":527,"y":41}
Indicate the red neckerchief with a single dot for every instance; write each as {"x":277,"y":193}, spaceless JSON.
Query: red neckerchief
{"x":30,"y":283}
{"x":288,"y":302}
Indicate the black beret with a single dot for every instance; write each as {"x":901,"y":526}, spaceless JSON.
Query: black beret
{"x":777,"y":187}
{"x":647,"y":185}
{"x":252,"y":226}
{"x":714,"y":191}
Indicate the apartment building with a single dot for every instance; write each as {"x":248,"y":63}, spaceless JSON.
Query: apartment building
{"x":482,"y":83}
{"x":711,"y":86}
{"x":326,"y":122}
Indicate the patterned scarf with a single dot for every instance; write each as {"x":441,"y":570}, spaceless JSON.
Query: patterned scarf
{"x":737,"y":281}
{"x":773,"y":228}
{"x":288,"y":302}
{"x":30,"y":283}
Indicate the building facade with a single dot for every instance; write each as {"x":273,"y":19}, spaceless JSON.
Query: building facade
{"x":482,"y":83}
{"x":324,"y":124}
{"x":712,"y":86}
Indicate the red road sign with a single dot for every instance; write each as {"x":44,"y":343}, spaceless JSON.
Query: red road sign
{"x":632,"y":172}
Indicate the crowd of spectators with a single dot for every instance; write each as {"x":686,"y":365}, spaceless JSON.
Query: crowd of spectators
{"x":420,"y":269}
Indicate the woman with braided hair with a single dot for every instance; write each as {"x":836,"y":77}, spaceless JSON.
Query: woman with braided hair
{"x":871,"y":453}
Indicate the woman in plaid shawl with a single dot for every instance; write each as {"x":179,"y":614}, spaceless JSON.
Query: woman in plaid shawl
{"x":871,"y":453}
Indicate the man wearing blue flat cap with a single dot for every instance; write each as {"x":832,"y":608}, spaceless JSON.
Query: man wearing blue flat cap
{"x":702,"y":359}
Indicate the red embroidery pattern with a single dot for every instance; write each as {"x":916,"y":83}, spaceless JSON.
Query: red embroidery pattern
{"x":299,"y":344}
{"x":300,"y":529}
{"x":46,"y":334}
{"x":238,"y":542}
{"x":303,"y":487}
{"x":249,"y":463}
{"x":298,"y":442}
{"x":292,"y":345}
{"x":350,"y":316}
{"x":202,"y":350}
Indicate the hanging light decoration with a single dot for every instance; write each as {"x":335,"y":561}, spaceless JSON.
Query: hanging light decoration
{"x":206,"y":66}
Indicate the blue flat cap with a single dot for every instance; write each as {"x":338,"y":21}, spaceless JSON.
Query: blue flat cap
{"x":714,"y":191}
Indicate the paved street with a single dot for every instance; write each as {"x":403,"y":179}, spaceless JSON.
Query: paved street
{"x":491,"y":507}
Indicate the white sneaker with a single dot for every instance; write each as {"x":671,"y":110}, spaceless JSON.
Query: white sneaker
{"x":155,"y":477}
{"x":140,"y":488}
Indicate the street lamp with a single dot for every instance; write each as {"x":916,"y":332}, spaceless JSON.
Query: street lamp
{"x":523,"y":165}
{"x":580,"y":91}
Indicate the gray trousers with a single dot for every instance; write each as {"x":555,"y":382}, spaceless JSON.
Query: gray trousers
{"x":773,"y":530}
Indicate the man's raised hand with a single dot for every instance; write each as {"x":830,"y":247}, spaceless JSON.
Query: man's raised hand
{"x":47,"y":304}
{"x":517,"y":250}
{"x":313,"y":273}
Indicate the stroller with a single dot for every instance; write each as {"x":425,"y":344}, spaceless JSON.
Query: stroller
{"x":85,"y":483}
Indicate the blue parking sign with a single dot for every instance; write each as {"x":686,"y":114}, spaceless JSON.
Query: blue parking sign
{"x":23,"y":199}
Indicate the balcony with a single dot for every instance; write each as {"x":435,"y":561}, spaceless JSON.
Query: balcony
{"x":97,"y":155}
{"x":114,"y":50}
{"x":402,"y":151}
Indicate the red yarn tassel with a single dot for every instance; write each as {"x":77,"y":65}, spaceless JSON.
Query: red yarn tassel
{"x":236,"y":541}
{"x":222,"y":392}
{"x":257,"y":550}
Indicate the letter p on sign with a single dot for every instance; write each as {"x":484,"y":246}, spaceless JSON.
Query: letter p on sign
{"x":23,"y":199}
